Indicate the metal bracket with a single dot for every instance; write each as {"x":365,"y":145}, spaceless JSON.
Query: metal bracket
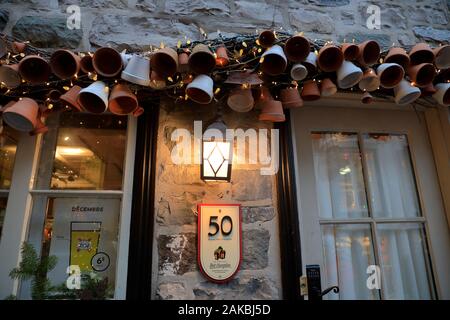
{"x":303,"y":286}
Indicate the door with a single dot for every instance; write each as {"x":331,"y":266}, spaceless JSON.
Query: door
{"x":369,"y":203}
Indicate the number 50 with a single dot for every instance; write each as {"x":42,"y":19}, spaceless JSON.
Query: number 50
{"x":213,"y":223}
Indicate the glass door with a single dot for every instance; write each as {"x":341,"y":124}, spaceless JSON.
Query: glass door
{"x":370,"y":209}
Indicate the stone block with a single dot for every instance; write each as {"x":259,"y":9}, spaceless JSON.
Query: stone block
{"x":177,"y":254}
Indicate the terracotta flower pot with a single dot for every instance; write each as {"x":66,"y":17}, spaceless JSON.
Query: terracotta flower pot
{"x":70,"y":98}
{"x":262,"y":94}
{"x":390,"y":74}
{"x":370,"y":80}
{"x":22,"y":115}
{"x":399,"y":56}
{"x":311,"y":63}
{"x":137,"y":71}
{"x":442,"y":95}
{"x":200,"y":90}
{"x":327,"y":88}
{"x":94,"y":98}
{"x":222,"y":57}
{"x":183,"y":62}
{"x":156,"y":81}
{"x":126,"y":57}
{"x":86,"y":64}
{"x":121,"y":100}
{"x":201,"y":60}
{"x":65,"y":64}
{"x":369,"y":52}
{"x":422,"y":74}
{"x":429,"y":90}
{"x":34,"y":69}
{"x":442,"y":56}
{"x":348,"y":75}
{"x":299,"y":72}
{"x":54,"y":95}
{"x":274,"y":62}
{"x":272,"y":110}
{"x":19,"y":47}
{"x":405,"y":93}
{"x":366,"y":98}
{"x":330,"y":58}
{"x":107,"y":62}
{"x":9,"y":75}
{"x":350,"y":51}
{"x":241,"y":100}
{"x":297,"y":48}
{"x":164,"y":62}
{"x":310,"y":91}
{"x":421,"y":53}
{"x":246,"y":77}
{"x":266,"y":38}
{"x":290,"y":98}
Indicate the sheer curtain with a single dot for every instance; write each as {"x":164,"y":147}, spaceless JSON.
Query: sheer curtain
{"x":349,"y":247}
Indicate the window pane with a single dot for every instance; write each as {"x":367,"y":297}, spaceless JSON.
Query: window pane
{"x":339,"y":178}
{"x":83,"y":151}
{"x":82,"y":233}
{"x":348,"y":251}
{"x":8,"y":145}
{"x":404,"y":261}
{"x":393,"y":191}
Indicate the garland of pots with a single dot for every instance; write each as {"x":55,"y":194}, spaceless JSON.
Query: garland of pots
{"x":268,"y":71}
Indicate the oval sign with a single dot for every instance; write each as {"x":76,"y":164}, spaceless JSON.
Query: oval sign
{"x":219,"y":240}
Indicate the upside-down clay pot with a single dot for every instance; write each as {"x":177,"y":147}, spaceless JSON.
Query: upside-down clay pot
{"x":390,"y":74}
{"x":200,"y":90}
{"x":86,"y":64}
{"x":399,"y":56}
{"x":311,"y":63}
{"x":241,"y":99}
{"x":201,"y":60}
{"x":369,"y":52}
{"x":262,"y":94}
{"x":54,"y":95}
{"x":222,"y":57}
{"x":164,"y":62}
{"x":121,"y":100}
{"x":19,"y":47}
{"x":272,"y":111}
{"x":298,"y":72}
{"x":442,"y":95}
{"x":442,"y":56}
{"x":94,"y":98}
{"x":290,"y":98}
{"x":366,"y":98}
{"x":350,"y":51}
{"x":274,"y":61}
{"x":348,"y":75}
{"x":107,"y":62}
{"x":9,"y":75}
{"x":310,"y":91}
{"x":65,"y":64}
{"x":370,"y":80}
{"x":421,"y":53}
{"x":422,"y":74}
{"x":34,"y":69}
{"x":405,"y":93}
{"x":22,"y":115}
{"x":297,"y":48}
{"x":126,"y":57}
{"x":330,"y":58}
{"x":69,"y":98}
{"x":183,"y":62}
{"x":428,"y":90}
{"x":327,"y":88}
{"x":266,"y":38}
{"x":137,"y":71}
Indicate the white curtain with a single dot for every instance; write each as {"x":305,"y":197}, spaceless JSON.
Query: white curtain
{"x":348,"y":248}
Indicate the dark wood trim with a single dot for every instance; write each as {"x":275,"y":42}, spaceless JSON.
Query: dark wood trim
{"x":291,"y":261}
{"x":142,"y":214}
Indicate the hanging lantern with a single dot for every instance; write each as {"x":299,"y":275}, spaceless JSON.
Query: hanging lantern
{"x":350,"y":51}
{"x":34,"y":69}
{"x":348,"y":75}
{"x":330,"y":58}
{"x":442,"y":56}
{"x":311,"y":63}
{"x":201,"y":60}
{"x":94,"y":98}
{"x":241,"y":99}
{"x":200,"y":90}
{"x":217,"y":153}
{"x":164,"y":62}
{"x":310,"y":91}
{"x":121,"y":100}
{"x":107,"y":62}
{"x":69,"y":98}
{"x":327,"y":88}
{"x":370,"y":81}
{"x":65,"y":64}
{"x":221,"y":57}
{"x":274,"y":61}
{"x":298,"y":72}
{"x":21,"y":115}
{"x":297,"y":48}
{"x":290,"y":98}
{"x":421,"y":53}
{"x":137,"y":71}
{"x":399,"y":56}
{"x":422,"y":74}
{"x":266,"y":38}
{"x":405,"y":93}
{"x":442,"y":95}
{"x":369,"y":52}
{"x":390,"y":74}
{"x":9,"y":75}
{"x":366,"y":98}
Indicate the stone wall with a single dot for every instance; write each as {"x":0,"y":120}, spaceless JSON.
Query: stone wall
{"x":179,"y":190}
